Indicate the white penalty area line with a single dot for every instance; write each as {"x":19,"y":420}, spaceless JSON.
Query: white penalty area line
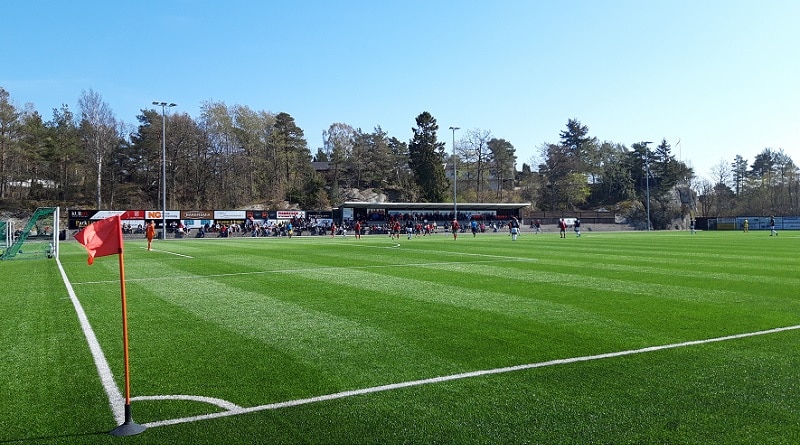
{"x":235,"y":410}
{"x":169,"y":253}
{"x":445,"y":252}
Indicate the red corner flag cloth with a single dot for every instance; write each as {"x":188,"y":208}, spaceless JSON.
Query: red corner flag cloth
{"x":102,"y":238}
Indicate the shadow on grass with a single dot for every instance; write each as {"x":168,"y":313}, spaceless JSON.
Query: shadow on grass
{"x":65,"y":437}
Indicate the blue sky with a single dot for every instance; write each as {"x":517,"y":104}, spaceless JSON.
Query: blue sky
{"x":721,"y":77}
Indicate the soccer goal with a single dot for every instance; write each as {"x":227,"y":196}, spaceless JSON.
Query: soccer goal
{"x":37,"y":239}
{"x":5,"y":229}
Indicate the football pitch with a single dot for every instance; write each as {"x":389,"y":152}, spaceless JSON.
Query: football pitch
{"x":613,"y":337}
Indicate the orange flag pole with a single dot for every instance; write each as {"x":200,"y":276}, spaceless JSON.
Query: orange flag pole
{"x":129,"y":427}
{"x":104,"y":238}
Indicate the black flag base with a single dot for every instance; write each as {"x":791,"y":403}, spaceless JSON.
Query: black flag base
{"x":129,"y":427}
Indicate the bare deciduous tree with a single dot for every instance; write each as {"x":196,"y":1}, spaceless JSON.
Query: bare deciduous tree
{"x":721,"y":173}
{"x":473,"y":151}
{"x":98,"y":132}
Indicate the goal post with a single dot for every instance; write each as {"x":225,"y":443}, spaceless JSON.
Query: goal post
{"x":39,"y":238}
{"x":6,"y":227}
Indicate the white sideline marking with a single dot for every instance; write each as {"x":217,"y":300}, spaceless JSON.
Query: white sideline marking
{"x":357,"y":392}
{"x":168,"y":252}
{"x":115,"y":399}
{"x":210,"y":400}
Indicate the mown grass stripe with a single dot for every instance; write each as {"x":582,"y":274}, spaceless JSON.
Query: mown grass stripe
{"x":378,"y":314}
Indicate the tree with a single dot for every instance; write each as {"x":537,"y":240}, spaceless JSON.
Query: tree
{"x":9,"y":132}
{"x":308,"y":192}
{"x":293,"y":147}
{"x":188,"y":165}
{"x":357,"y":162}
{"x":120,"y":192}
{"x":658,"y":173}
{"x":739,"y":171}
{"x":426,"y":159}
{"x":529,"y":182}
{"x":370,"y":163}
{"x":379,"y":160}
{"x":504,"y":162}
{"x":251,"y":130}
{"x":783,"y":183}
{"x":723,"y":200}
{"x":640,"y":161}
{"x":321,"y":155}
{"x":615,"y":183}
{"x":764,"y":165}
{"x":474,"y":154}
{"x":575,"y":138}
{"x":144,"y":157}
{"x":33,"y":162}
{"x":705,"y":190}
{"x":721,"y":173}
{"x":764,"y":172}
{"x":290,"y":146}
{"x":98,"y":131}
{"x":402,"y":176}
{"x":64,"y":146}
{"x":582,"y":147}
{"x":338,"y":142}
{"x":557,"y":170}
{"x":216,"y":123}
{"x":667,"y":171}
{"x":576,"y":155}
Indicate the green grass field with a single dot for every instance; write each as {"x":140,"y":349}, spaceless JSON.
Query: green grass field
{"x":274,"y":325}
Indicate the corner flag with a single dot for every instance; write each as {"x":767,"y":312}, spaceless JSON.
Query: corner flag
{"x":102,"y":238}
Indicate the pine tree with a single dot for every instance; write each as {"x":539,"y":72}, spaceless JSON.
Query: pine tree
{"x":426,"y":159}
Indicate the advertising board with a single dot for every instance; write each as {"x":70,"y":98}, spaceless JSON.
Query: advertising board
{"x":230,"y":214}
{"x":156,"y":214}
{"x":197,"y":214}
{"x":290,"y":214}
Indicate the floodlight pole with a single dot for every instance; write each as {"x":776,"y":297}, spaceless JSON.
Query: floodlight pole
{"x":647,"y":178}
{"x":56,"y":232}
{"x":164,"y":106}
{"x":455,"y":176}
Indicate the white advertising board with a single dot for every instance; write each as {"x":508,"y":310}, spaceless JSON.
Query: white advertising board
{"x":156,"y":214}
{"x":230,"y":214}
